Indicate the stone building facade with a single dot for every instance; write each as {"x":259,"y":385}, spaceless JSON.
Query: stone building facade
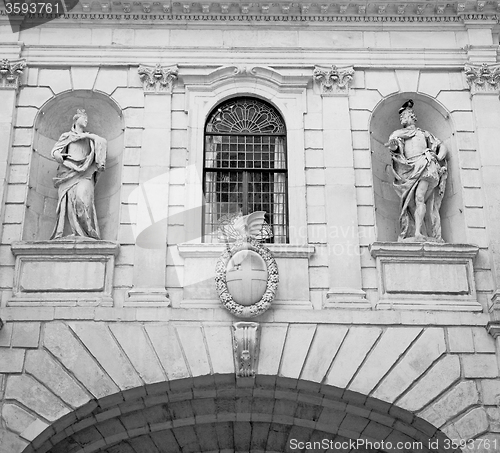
{"x":122,"y":346}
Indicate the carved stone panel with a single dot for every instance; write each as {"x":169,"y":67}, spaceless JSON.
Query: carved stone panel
{"x":67,"y":271}
{"x":426,"y":276}
{"x":246,"y":348}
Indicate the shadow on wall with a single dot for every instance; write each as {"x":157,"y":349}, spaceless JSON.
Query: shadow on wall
{"x":435,"y":119}
{"x":54,"y":118}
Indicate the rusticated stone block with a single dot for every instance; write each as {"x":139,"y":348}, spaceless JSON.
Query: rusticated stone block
{"x":16,"y":418}
{"x":54,"y":376}
{"x":10,"y":442}
{"x":34,"y":396}
{"x":352,"y":353}
{"x":480,"y":366}
{"x":134,"y":342}
{"x":60,"y":341}
{"x":11,"y":360}
{"x":461,"y":397}
{"x":26,"y":334}
{"x":417,"y":360}
{"x":472,"y":423}
{"x":441,"y":376}
{"x":98,"y":340}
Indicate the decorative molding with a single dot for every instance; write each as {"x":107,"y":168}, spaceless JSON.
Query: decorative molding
{"x":333,"y":81}
{"x":263,"y":10}
{"x":147,"y":297}
{"x":493,"y":328}
{"x":188,"y":250}
{"x":158,"y":79}
{"x":270,"y":76}
{"x":349,"y":298}
{"x":426,"y":276}
{"x":246,"y":339}
{"x":484,"y":78}
{"x":10,"y":72}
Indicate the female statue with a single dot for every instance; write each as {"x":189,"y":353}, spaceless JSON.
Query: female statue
{"x":81,"y":157}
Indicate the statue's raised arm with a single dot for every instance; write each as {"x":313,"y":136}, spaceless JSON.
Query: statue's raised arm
{"x":419,"y":167}
{"x":81,"y":157}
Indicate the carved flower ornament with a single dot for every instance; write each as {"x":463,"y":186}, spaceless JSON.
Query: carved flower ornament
{"x":245,"y":232}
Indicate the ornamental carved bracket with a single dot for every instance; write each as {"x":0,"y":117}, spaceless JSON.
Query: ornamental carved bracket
{"x":158,"y":79}
{"x":483,"y":78}
{"x":493,"y":327}
{"x":10,"y":72}
{"x":333,"y":81}
{"x":246,"y":336}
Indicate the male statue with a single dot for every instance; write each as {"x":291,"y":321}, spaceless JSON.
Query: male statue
{"x":81,"y":157}
{"x":419,"y":168}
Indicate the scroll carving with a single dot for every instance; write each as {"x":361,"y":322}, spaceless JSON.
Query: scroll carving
{"x":10,"y":72}
{"x":483,"y":78}
{"x":158,"y":79}
{"x":246,"y":348}
{"x":333,"y":81}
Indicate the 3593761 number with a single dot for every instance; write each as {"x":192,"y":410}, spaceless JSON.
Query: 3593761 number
{"x":489,"y":445}
{"x":14,"y":8}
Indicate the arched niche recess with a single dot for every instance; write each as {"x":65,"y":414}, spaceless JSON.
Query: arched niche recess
{"x":435,"y":119}
{"x":54,"y":118}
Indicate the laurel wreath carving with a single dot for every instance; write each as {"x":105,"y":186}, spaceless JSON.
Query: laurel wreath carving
{"x":256,"y":309}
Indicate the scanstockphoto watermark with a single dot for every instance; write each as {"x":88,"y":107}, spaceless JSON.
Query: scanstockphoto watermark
{"x":355,"y":444}
{"x":485,"y":445}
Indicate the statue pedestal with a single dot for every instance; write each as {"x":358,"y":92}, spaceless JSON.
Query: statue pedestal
{"x":65,"y":272}
{"x":426,"y":276}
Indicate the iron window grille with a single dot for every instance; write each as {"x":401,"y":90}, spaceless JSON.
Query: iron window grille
{"x":245,"y":166}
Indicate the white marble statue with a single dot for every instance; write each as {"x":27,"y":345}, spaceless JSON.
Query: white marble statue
{"x":420,"y":171}
{"x":81,"y":157}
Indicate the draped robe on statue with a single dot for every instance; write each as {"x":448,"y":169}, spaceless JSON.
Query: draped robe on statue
{"x":83,"y":159}
{"x":409,"y":171}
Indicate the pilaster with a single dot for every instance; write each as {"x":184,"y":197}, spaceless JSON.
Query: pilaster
{"x":10,"y":73}
{"x":484,"y":84}
{"x":149,"y":283}
{"x":344,"y":264}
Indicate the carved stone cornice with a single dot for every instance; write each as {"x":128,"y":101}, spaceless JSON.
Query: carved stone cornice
{"x":333,"y":81}
{"x":158,"y":79}
{"x":484,"y":78}
{"x":10,"y":72}
{"x":246,"y":348}
{"x":302,"y":11}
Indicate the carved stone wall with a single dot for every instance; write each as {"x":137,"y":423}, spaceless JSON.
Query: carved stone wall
{"x":392,"y":381}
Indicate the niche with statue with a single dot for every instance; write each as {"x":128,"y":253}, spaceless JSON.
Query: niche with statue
{"x":71,"y":216}
{"x":422,"y":259}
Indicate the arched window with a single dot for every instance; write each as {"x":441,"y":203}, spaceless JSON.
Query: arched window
{"x":245,"y":167}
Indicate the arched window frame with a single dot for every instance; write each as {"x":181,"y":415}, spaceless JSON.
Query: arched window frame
{"x":288,"y":96}
{"x":245,"y":165}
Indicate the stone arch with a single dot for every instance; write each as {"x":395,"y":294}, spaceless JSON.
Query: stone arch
{"x":54,"y":118}
{"x":85,"y":369}
{"x":432,"y":116}
{"x":214,"y":413}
